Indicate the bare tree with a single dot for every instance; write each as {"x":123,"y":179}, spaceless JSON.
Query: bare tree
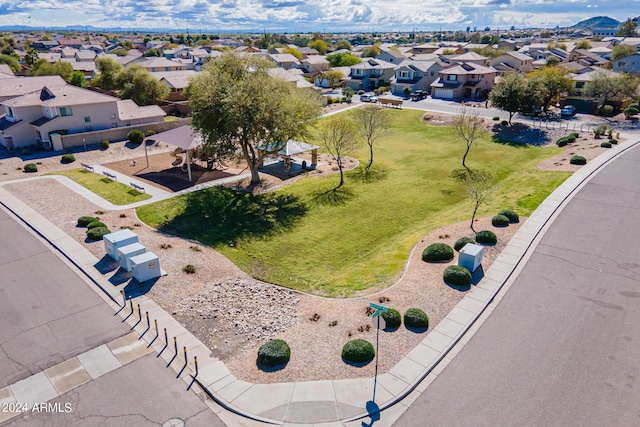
{"x":339,"y":138}
{"x":372,"y":123}
{"x":469,"y":126}
{"x":479,"y":185}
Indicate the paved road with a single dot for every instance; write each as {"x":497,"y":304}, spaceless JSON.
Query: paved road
{"x":562,"y":347}
{"x":48,"y":314}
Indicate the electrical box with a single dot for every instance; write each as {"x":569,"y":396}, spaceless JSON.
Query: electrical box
{"x":128,"y":252}
{"x":145,"y":266}
{"x":470,"y":256}
{"x":118,"y":239}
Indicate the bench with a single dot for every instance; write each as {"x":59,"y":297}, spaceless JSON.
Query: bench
{"x":87,"y":167}
{"x":393,"y":103}
{"x":137,"y":187}
{"x":110,"y":175}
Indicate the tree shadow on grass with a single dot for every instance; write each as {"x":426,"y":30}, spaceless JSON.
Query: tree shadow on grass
{"x":334,"y":197}
{"x":220,"y":215}
{"x":374,"y":174}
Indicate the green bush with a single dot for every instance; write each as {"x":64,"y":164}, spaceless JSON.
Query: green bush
{"x":416,"y":318}
{"x":274,"y":353}
{"x":607,"y":110}
{"x":630,"y":112}
{"x":437,"y":252}
{"x":97,"y":233}
{"x":189,"y":269}
{"x":67,"y":158}
{"x":600,"y":130}
{"x":392,"y":318}
{"x":513,"y":217}
{"x":578,"y":160}
{"x":486,"y":237}
{"x":575,"y":135}
{"x":605,"y":144}
{"x":25,"y":152}
{"x":496,"y":118}
{"x":30,"y":167}
{"x":135,"y":136}
{"x":613,"y":141}
{"x":562,"y":141}
{"x":500,"y":221}
{"x":459,"y":244}
{"x":151,"y":132}
{"x":504,"y":123}
{"x":457,"y":275}
{"x":358,"y":351}
{"x":104,"y":145}
{"x":360,"y":92}
{"x":83,"y":221}
{"x":94,"y":224}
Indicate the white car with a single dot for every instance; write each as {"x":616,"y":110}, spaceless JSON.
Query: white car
{"x":368,"y":98}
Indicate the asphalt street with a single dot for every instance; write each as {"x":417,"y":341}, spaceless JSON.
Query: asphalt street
{"x":47,"y":312}
{"x":562,"y":347}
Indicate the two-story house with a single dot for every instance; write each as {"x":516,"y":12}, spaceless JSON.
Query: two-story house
{"x":464,"y":81}
{"x":160,"y":64}
{"x":370,"y":74}
{"x":391,"y":55}
{"x":416,"y":75}
{"x":629,"y":64}
{"x":284,"y":60}
{"x":65,"y":109}
{"x":314,"y":65}
{"x":512,"y":61}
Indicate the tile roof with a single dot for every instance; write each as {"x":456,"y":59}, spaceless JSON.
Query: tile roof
{"x":16,"y":86}
{"x":129,"y":110}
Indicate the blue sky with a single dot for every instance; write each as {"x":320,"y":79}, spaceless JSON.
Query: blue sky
{"x":311,"y":15}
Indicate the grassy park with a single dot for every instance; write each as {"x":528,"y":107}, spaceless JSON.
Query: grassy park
{"x":309,"y":238}
{"x":114,"y":192}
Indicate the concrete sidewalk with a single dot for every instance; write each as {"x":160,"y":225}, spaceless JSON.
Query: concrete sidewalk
{"x":331,"y":402}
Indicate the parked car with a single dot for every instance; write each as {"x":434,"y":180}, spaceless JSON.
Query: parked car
{"x":368,"y":98}
{"x":568,"y":111}
{"x":419,"y":94}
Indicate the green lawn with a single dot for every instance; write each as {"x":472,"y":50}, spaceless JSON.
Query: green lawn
{"x":361,"y":239}
{"x":114,"y":192}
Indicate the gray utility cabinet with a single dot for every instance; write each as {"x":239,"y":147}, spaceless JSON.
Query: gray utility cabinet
{"x":128,"y":252}
{"x":114,"y":241}
{"x":470,"y":256}
{"x":145,"y":266}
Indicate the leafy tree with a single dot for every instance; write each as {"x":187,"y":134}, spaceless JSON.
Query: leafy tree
{"x":293,"y":52}
{"x":583,"y":44}
{"x":469,"y":126}
{"x":606,"y":86}
{"x":552,"y":61}
{"x":339,"y":137}
{"x":120,"y":52}
{"x":628,"y":29}
{"x":319,"y":45}
{"x":154,"y":51}
{"x":43,"y":68}
{"x":371,"y":51}
{"x":31,"y":57}
{"x":332,"y":76}
{"x":508,"y":93}
{"x":622,"y":51}
{"x":475,"y":38}
{"x":371,"y":124}
{"x":238,"y":106}
{"x":343,"y":44}
{"x":343,"y":59}
{"x":109,"y":69}
{"x":77,"y":79}
{"x":553,"y":82}
{"x":12,"y":62}
{"x":138,"y":84}
{"x":479,"y":186}
{"x":126,"y":44}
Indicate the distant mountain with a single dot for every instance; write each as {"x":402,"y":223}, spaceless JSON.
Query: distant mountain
{"x":598,"y":22}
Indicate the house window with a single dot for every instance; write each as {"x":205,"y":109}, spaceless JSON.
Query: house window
{"x":432,"y":74}
{"x":579,"y":85}
{"x":452,"y":77}
{"x":154,"y":70}
{"x":404,"y":74}
{"x":66,"y":111}
{"x":87,"y":119}
{"x":167,"y":69}
{"x":357,"y":72}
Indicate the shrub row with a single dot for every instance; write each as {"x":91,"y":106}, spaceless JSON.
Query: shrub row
{"x":567,"y":139}
{"x":95,"y":228}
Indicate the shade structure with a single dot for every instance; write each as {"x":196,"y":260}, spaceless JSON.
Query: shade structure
{"x":184,"y":137}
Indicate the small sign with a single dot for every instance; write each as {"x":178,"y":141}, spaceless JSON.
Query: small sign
{"x":379,"y":322}
{"x":379,"y":309}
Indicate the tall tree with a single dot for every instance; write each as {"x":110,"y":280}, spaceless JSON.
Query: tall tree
{"x":479,"y":186}
{"x":553,"y":82}
{"x":12,"y":62}
{"x":621,"y":51}
{"x":332,"y":76}
{"x":109,"y":69}
{"x":469,"y":127}
{"x":628,"y":29}
{"x":339,"y":137}
{"x":319,"y":45}
{"x":31,"y":57}
{"x":371,"y":123}
{"x":238,"y":106}
{"x":508,"y":93}
{"x":606,"y":85}
{"x":78,"y":79}
{"x":43,"y":68}
{"x":138,"y":84}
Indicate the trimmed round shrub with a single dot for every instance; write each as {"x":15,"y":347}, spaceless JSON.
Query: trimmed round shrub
{"x":135,"y":136}
{"x":96,"y":223}
{"x":496,"y":118}
{"x":504,"y":123}
{"x":358,"y":351}
{"x":30,"y":168}
{"x":67,"y":158}
{"x":416,"y":318}
{"x":274,"y":353}
{"x":97,"y":233}
{"x":513,"y":217}
{"x":575,"y":135}
{"x":613,"y":141}
{"x":151,"y":132}
{"x":392,"y":318}
{"x":500,"y":221}
{"x":437,"y":252}
{"x":607,"y":110}
{"x":562,"y":141}
{"x":83,"y":221}
{"x":457,"y":275}
{"x":459,"y":244}
{"x":486,"y":237}
{"x":605,"y":144}
{"x":578,"y":160}
{"x":104,"y":145}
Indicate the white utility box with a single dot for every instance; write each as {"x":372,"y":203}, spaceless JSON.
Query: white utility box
{"x":118,"y":239}
{"x":145,"y":266}
{"x":470,"y":256}
{"x":128,"y":252}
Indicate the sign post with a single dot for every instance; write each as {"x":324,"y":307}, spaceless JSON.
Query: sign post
{"x":379,"y":322}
